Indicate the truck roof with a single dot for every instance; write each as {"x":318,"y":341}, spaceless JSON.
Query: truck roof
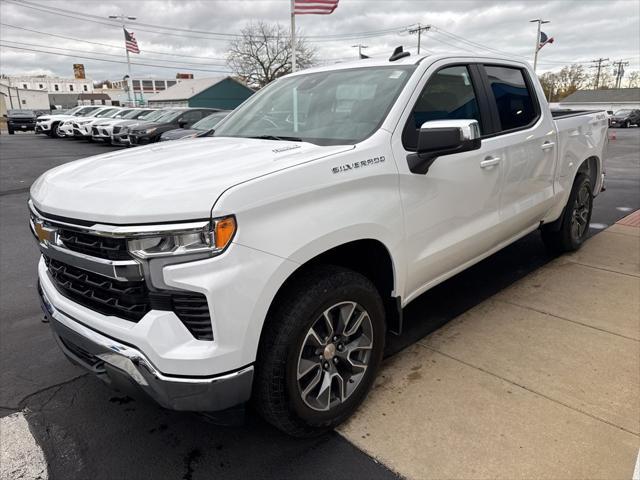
{"x":408,"y":60}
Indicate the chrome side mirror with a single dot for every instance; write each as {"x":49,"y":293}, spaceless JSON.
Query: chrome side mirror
{"x":443,"y":137}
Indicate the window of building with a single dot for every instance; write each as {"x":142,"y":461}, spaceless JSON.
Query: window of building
{"x":25,"y":86}
{"x":147,"y":85}
{"x":24,"y":102}
{"x":71,"y":88}
{"x":448,"y":95}
{"x":56,"y":87}
{"x":40,"y":86}
{"x":515,"y":103}
{"x":86,"y":89}
{"x":171,"y":83}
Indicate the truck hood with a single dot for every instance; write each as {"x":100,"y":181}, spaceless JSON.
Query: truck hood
{"x":172,"y":181}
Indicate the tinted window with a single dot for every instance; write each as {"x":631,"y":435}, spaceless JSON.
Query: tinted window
{"x":448,"y":95}
{"x":192,"y":117}
{"x":513,"y":98}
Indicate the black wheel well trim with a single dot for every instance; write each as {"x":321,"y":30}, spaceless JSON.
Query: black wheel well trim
{"x":356,"y":255}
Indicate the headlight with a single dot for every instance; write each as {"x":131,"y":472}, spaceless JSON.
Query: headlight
{"x":207,"y":241}
{"x":150,"y":130}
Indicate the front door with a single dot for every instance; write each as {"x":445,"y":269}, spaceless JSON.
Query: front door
{"x":450,"y":212}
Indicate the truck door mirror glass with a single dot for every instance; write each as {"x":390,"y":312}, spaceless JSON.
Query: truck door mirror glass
{"x":443,"y":137}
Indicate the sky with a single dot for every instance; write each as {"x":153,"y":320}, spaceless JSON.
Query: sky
{"x":192,"y":36}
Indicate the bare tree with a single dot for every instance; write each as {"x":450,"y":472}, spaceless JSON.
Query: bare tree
{"x":263,"y":53}
{"x":633,"y":79}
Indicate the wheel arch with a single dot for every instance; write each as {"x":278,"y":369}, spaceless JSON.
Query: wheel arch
{"x":369,"y":257}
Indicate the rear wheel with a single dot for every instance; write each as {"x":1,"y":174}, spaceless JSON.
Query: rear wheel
{"x":321,"y":348}
{"x":575,"y":219}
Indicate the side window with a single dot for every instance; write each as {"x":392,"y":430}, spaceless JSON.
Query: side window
{"x":448,"y":95}
{"x":515,"y":103}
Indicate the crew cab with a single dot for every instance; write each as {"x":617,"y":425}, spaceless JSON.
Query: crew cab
{"x":271,"y":261}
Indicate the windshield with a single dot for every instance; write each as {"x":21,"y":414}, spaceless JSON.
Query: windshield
{"x":137,"y":113}
{"x":109,"y":112}
{"x":326,"y":108}
{"x":20,"y":113}
{"x":123,"y":113}
{"x":169,"y":116}
{"x":623,"y":112}
{"x":207,"y":123}
{"x":84,"y":111}
{"x":153,"y":116}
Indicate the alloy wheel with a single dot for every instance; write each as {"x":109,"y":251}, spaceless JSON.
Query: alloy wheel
{"x":334,"y":356}
{"x":581,"y":212}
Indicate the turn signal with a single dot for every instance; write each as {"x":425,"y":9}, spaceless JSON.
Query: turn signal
{"x":224,"y":229}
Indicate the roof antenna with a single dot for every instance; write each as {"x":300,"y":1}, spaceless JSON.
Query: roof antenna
{"x":398,"y":54}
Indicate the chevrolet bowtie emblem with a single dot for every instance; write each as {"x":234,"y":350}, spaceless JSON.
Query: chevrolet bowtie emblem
{"x":43,"y":233}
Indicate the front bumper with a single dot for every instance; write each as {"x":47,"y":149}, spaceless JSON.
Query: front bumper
{"x":127,"y":369}
{"x":21,"y":127}
{"x":140,"y":139}
{"x":43,"y":127}
{"x":101,"y":133}
{"x":120,"y":139}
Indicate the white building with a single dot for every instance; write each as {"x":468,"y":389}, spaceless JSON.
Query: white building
{"x":146,"y":85}
{"x":23,"y":99}
{"x":51,"y":84}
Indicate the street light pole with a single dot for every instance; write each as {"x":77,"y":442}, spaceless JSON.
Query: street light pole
{"x":122,"y":17}
{"x":539,"y":21}
{"x":359,"y":46}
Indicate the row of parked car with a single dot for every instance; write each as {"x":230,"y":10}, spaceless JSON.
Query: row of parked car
{"x":129,"y":126}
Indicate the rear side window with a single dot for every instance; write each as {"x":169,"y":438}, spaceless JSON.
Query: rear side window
{"x":448,"y":95}
{"x":514,"y":100}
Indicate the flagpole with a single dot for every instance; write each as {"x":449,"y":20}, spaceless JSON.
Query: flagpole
{"x":122,"y":18}
{"x":537,"y":49}
{"x":293,"y":36}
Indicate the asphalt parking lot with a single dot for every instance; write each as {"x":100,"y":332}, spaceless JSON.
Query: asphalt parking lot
{"x":88,"y":431}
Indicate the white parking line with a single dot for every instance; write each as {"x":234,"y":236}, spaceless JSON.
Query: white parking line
{"x":636,"y":471}
{"x":20,"y":456}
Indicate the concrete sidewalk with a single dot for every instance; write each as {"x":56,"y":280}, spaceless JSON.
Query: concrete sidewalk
{"x":540,"y":381}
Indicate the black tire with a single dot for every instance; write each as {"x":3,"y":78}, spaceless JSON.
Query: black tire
{"x":627,"y":124}
{"x":54,"y":130}
{"x":575,"y":219}
{"x":276,"y":392}
{"x":11,"y":132}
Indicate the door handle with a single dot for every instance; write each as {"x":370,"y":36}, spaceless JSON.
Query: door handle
{"x":489,"y":162}
{"x":547,"y":145}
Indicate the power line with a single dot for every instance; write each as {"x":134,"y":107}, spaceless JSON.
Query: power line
{"x":119,"y":47}
{"x":113,"y":54}
{"x":115,"y":61}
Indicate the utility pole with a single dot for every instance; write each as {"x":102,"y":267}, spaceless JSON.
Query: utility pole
{"x":619,"y":71}
{"x":122,"y":17}
{"x":359,"y":46}
{"x":599,"y":64}
{"x":539,"y":21}
{"x":419,"y":29}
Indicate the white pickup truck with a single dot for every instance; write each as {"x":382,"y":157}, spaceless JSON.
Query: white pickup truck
{"x":270,"y":261}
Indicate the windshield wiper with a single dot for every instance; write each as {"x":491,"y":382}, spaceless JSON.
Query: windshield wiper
{"x":276,"y":137}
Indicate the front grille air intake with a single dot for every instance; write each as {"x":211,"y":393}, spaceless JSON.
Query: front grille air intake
{"x":109,"y":248}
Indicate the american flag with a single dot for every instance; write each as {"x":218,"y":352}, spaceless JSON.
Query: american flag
{"x":130,"y":42}
{"x":317,"y":7}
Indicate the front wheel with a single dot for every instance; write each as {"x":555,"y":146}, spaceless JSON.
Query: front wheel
{"x":321,"y":348}
{"x":56,"y":132}
{"x":575,"y":220}
{"x":627,"y":124}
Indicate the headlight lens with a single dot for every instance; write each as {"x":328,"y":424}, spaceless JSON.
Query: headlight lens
{"x":150,"y":130}
{"x":208,"y":241}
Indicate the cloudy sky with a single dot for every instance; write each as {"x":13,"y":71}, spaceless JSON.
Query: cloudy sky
{"x":192,"y":35}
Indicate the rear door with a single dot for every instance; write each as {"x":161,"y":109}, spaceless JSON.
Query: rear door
{"x":525,"y":140}
{"x":450,"y":212}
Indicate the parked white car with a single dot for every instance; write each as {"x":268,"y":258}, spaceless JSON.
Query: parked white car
{"x":81,"y":127}
{"x":272,"y":260}
{"x":101,"y":131}
{"x":49,"y":124}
